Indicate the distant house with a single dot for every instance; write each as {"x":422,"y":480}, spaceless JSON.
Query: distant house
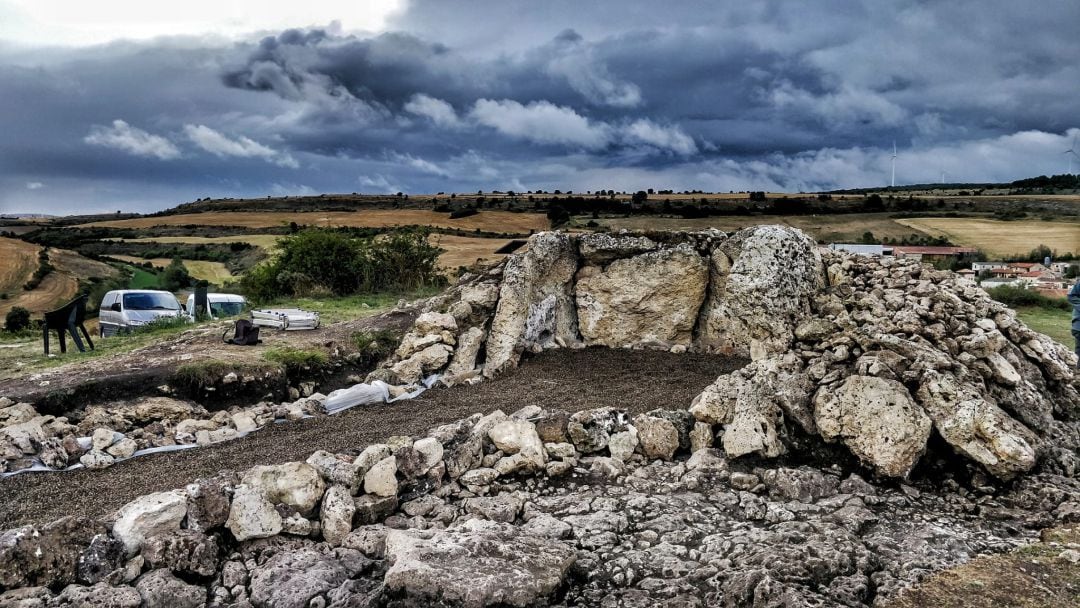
{"x":966,"y":272}
{"x":1028,"y":266}
{"x":985,"y":266}
{"x":1006,"y":272}
{"x":1062,"y":267}
{"x":858,"y":248}
{"x":932,"y":254}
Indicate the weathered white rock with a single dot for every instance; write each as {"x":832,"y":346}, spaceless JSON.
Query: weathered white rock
{"x":244,"y":422}
{"x":659,"y":437}
{"x":535,"y":303}
{"x":762,"y":281}
{"x":97,"y":460}
{"x":337,"y":514}
{"x":514,"y":436}
{"x":147,"y":516}
{"x":621,"y":445}
{"x":123,"y":448}
{"x":431,"y":450}
{"x":751,"y":402}
{"x":479,"y":564}
{"x":381,"y":478}
{"x":468,"y":347}
{"x":252,"y":515}
{"x":877,"y":420}
{"x":296,"y":484}
{"x":701,"y":436}
{"x":975,"y":427}
{"x":653,"y":298}
{"x":102,"y":438}
{"x":434,"y":323}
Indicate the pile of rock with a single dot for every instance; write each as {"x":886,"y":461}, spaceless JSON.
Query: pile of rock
{"x":99,"y":435}
{"x":877,"y":354}
{"x":590,"y":508}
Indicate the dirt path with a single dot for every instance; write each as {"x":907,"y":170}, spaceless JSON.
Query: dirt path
{"x":571,"y":380}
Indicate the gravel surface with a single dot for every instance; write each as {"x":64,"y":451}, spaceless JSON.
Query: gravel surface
{"x":571,"y":380}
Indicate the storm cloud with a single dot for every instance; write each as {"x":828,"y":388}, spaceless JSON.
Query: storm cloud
{"x":782,"y":95}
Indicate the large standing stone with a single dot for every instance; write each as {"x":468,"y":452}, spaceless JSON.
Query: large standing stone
{"x":478,"y":564}
{"x":877,"y":420}
{"x":653,"y":298}
{"x":535,"y":306}
{"x":296,"y":484}
{"x":149,"y":515}
{"x":762,"y":281}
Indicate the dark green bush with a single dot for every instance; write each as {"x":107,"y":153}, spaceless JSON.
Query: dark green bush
{"x":17,"y":319}
{"x":176,"y":276}
{"x":1014,"y":297}
{"x":322,"y":260}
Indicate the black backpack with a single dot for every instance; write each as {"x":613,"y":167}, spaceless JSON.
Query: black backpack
{"x":245,"y":334}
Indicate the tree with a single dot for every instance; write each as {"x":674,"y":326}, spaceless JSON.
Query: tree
{"x":868,"y":238}
{"x":639,"y":197}
{"x":176,"y":276}
{"x":17,"y":319}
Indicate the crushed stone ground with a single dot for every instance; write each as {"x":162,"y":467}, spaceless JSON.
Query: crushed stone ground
{"x":637,"y":381}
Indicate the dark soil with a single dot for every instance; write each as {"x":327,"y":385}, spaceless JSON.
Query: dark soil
{"x":637,"y":381}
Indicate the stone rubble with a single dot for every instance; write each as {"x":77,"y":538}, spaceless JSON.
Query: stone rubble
{"x":657,"y":525}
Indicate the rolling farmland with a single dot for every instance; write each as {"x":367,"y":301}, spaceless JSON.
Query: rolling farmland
{"x":1002,"y":239}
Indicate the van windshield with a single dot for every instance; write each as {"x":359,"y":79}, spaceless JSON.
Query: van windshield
{"x":150,"y":301}
{"x":226,"y":309}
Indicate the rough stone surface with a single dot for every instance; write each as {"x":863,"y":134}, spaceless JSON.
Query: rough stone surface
{"x":337,"y":514}
{"x":476,"y":565}
{"x":296,"y":484}
{"x":652,"y":298}
{"x":659,"y":437}
{"x":535,"y":303}
{"x":252,"y":515}
{"x":45,"y":555}
{"x":182,"y":552}
{"x":147,"y":516}
{"x":877,"y":419}
{"x":160,"y":589}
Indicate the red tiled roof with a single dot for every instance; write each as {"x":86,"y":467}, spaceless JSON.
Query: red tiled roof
{"x":1032,"y":275}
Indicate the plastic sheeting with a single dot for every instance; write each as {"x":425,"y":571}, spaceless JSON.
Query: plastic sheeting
{"x":336,"y":402}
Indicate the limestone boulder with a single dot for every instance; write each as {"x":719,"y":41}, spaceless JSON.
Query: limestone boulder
{"x":252,"y":515}
{"x":381,"y":478}
{"x":478,"y":564}
{"x":149,"y":515}
{"x":976,"y":427}
{"x":514,"y":436}
{"x":47,"y":555}
{"x":658,"y":436}
{"x":591,"y":430}
{"x":160,"y":589}
{"x":184,"y":552}
{"x":299,"y":579}
{"x":751,"y":403}
{"x":877,"y":420}
{"x":296,"y":484}
{"x":653,"y":298}
{"x":600,"y":249}
{"x":337,"y":514}
{"x":535,"y":306}
{"x":468,"y":347}
{"x":762,"y":282}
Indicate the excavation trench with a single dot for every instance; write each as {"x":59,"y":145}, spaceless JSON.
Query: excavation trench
{"x":572,"y":380}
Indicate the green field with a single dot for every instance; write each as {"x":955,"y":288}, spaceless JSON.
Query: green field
{"x":1052,"y":322}
{"x":143,"y":279}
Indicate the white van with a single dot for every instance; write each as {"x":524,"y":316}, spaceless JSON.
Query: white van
{"x":125,"y":309}
{"x":221,"y":305}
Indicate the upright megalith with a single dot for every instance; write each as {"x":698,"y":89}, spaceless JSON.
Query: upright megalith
{"x":536,"y":306}
{"x":755,"y":303}
{"x":648,"y":299}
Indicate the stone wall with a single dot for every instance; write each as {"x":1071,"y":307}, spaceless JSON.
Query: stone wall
{"x":877,"y":354}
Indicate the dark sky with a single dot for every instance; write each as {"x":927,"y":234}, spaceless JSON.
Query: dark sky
{"x":496,"y":94}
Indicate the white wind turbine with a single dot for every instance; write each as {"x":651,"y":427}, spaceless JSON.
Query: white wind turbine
{"x":1072,"y":152}
{"x":894,"y":163}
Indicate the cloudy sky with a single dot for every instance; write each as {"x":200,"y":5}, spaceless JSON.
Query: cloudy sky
{"x":136,"y":105}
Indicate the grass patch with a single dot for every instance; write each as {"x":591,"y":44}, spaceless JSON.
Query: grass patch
{"x":143,"y":279}
{"x":204,"y":374}
{"x":1018,"y":296}
{"x":295,"y":360}
{"x":333,"y":310}
{"x":1053,"y":322}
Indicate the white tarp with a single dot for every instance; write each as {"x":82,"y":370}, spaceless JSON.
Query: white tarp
{"x":336,"y":402}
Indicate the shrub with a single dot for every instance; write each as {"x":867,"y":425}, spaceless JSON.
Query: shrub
{"x":374,"y":346}
{"x":1018,"y":296}
{"x":176,"y":276}
{"x":17,"y":319}
{"x":322,"y":260}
